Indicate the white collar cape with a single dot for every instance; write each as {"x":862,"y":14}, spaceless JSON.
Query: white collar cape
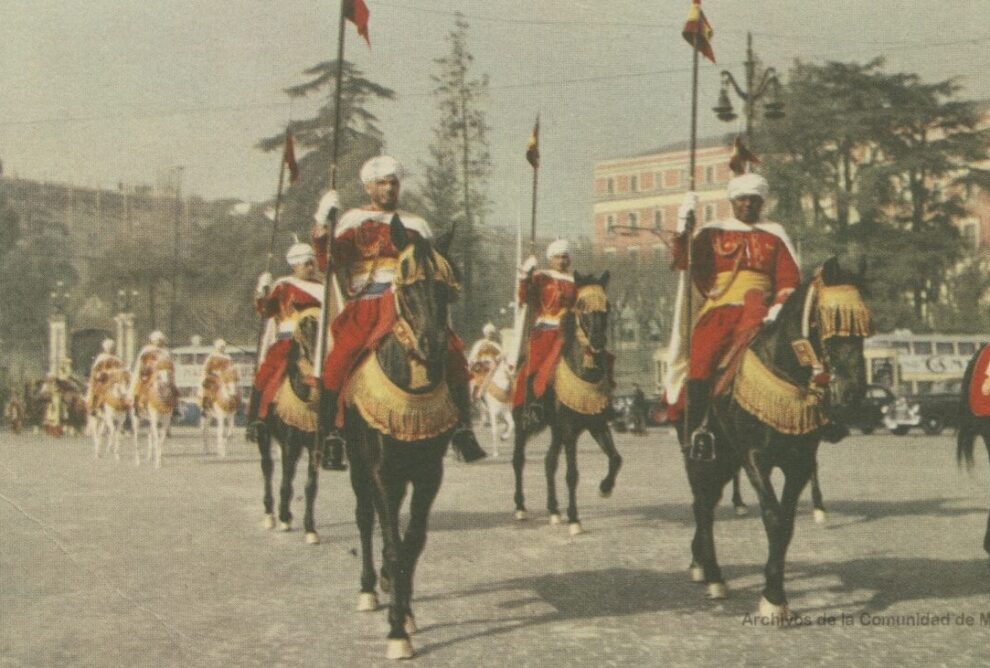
{"x":355,"y":217}
{"x":313,"y":288}
{"x":733,"y":225}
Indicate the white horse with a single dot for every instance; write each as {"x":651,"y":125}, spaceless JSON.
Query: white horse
{"x":155,"y":402}
{"x":496,"y":394}
{"x":112,"y":405}
{"x":221,"y":399}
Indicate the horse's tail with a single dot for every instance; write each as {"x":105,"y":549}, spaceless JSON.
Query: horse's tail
{"x":966,"y":433}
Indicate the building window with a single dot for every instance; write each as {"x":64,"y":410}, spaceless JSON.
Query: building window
{"x":611,"y":186}
{"x":633,"y":220}
{"x":944,"y":348}
{"x":633,"y":252}
{"x":922,"y":347}
{"x":710,"y":174}
{"x":967,"y":348}
{"x":633,"y":183}
{"x":658,"y":181}
{"x":709,"y":213}
{"x":658,"y":219}
{"x":610,"y":225}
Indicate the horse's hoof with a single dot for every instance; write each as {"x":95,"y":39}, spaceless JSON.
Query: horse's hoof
{"x":778,"y":614}
{"x":820,"y":516}
{"x":741,"y":511}
{"x":269,"y":522}
{"x":717,"y":591}
{"x":521,"y":516}
{"x":399,"y":648}
{"x":605,"y":494}
{"x":697,"y":573}
{"x":312,"y":538}
{"x":410,"y":625}
{"x":575,"y":529}
{"x":554,"y":519}
{"x":367,"y":602}
{"x":285,"y":526}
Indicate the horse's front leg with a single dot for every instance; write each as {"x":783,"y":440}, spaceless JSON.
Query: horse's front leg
{"x":96,"y":438}
{"x":603,"y":437}
{"x":312,"y":484}
{"x":493,"y":419}
{"x":221,"y":419}
{"x":518,"y":463}
{"x":364,"y":516}
{"x":550,"y":464}
{"x":572,"y":477}
{"x":153,"y":442}
{"x":290,"y":455}
{"x":817,"y":500}
{"x":267,"y":468}
{"x":797,"y":471}
{"x":737,"y":501}
{"x":204,"y":426}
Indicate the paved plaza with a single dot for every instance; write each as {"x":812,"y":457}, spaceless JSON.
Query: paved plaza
{"x":106,"y":564}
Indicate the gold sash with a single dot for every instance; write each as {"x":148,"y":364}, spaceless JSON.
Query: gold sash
{"x":731,"y":286}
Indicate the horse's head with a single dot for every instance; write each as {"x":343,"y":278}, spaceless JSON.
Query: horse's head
{"x":425,"y":285}
{"x":591,"y":311}
{"x":164,"y":377}
{"x":835,"y":319}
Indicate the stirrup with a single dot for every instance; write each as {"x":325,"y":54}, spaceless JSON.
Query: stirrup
{"x":702,"y":447}
{"x":332,"y":455}
{"x":533,"y":415}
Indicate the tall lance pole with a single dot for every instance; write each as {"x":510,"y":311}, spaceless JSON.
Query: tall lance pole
{"x":689,"y":228}
{"x":330,"y":287}
{"x":270,"y":257}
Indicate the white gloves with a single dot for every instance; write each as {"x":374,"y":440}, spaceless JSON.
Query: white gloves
{"x":772,"y":313}
{"x":329,"y":202}
{"x":264,"y":283}
{"x":527,"y":266}
{"x":689,"y":204}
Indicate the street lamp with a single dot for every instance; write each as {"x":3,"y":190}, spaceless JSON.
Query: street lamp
{"x":768,"y":87}
{"x":59,"y":299}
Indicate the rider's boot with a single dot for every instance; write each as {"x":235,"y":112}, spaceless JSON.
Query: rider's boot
{"x":254,"y":423}
{"x":701,"y":441}
{"x":332,"y":447}
{"x":464,"y":440}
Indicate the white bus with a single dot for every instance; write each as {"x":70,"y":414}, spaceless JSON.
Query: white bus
{"x":189,"y":362}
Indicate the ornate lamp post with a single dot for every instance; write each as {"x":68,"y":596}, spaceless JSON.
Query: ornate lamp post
{"x":58,"y":339}
{"x":768,"y":87}
{"x":124,"y":321}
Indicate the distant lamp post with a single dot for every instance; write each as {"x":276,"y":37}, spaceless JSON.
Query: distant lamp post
{"x":58,"y":339}
{"x":124,"y":322}
{"x":767,"y":90}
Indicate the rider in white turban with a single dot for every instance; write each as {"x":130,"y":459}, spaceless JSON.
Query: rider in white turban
{"x":380,"y":167}
{"x":749,"y":184}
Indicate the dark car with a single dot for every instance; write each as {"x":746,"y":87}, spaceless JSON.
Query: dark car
{"x":937,"y":411}
{"x":876,"y":404}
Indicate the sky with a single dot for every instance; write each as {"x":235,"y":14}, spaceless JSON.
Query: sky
{"x":105,"y":91}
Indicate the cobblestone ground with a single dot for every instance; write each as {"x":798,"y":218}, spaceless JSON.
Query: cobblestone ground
{"x":103,"y":563}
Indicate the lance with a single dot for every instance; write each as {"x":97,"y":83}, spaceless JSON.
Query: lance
{"x":331,"y":290}
{"x":271,"y":254}
{"x":689,"y":228}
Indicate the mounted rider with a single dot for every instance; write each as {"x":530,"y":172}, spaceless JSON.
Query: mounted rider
{"x":744,"y":270}
{"x":216,"y":363}
{"x":281,"y":302}
{"x":145,"y":365}
{"x":549,"y":294}
{"x":364,"y":259}
{"x":485,"y":355}
{"x":104,"y":363}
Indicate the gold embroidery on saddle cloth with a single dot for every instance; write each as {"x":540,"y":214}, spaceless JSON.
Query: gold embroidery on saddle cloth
{"x":294,"y":411}
{"x":842,"y":312}
{"x":786,"y":408}
{"x":580,"y":395}
{"x":394,"y":412}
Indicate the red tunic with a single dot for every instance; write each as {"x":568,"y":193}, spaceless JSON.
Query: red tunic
{"x":556,"y":294}
{"x":288,"y":297}
{"x":979,"y":403}
{"x":365,"y":260}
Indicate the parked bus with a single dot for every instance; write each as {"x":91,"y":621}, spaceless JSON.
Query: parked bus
{"x":189,"y":362}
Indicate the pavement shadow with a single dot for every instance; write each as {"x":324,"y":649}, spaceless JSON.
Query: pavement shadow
{"x":871,"y":511}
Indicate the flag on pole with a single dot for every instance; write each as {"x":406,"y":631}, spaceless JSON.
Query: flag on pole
{"x":357,"y":13}
{"x":741,"y":156}
{"x":698,"y":27}
{"x":533,"y":148}
{"x":289,"y":157}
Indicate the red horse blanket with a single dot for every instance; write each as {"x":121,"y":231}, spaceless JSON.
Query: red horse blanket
{"x":979,"y":403}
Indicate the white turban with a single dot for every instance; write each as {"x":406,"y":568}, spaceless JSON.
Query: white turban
{"x":299,"y":253}
{"x":558,"y":247}
{"x":107,"y":345}
{"x":749,"y":184}
{"x":156,"y":337}
{"x":380,"y":167}
{"x":220,"y":345}
{"x":488,"y":329}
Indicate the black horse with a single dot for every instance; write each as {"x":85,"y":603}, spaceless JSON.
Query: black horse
{"x":578,"y":401}
{"x":971,"y":426}
{"x":398,"y":424}
{"x":817,"y":499}
{"x":291,"y":421}
{"x":800,"y":374}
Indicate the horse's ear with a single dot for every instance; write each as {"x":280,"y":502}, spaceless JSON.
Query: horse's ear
{"x":579,"y":279}
{"x":400,"y":237}
{"x":603,"y":280}
{"x":442,"y":243}
{"x":830,"y":271}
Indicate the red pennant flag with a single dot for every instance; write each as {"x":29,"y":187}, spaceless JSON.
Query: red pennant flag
{"x":698,"y":28}
{"x":741,"y":156}
{"x":357,"y":13}
{"x":533,"y":148}
{"x":289,"y":158}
